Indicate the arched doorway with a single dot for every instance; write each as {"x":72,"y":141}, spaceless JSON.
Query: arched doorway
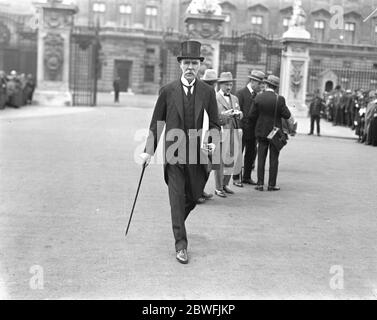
{"x":329,"y":86}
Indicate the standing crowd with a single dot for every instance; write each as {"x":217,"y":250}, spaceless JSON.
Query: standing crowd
{"x":354,"y":109}
{"x":16,"y":90}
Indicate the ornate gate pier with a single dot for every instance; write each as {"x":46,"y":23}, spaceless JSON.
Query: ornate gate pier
{"x":56,"y":21}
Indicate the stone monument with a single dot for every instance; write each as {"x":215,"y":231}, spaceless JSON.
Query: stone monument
{"x":204,"y":23}
{"x":55,"y":24}
{"x":295,"y":60}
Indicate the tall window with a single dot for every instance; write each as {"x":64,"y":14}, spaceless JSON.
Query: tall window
{"x":257,"y":23}
{"x":99,"y":9}
{"x":349,"y":28}
{"x":149,"y":74}
{"x":319,"y":30}
{"x":257,"y":20}
{"x":151,"y":18}
{"x":286,"y":23}
{"x":125,"y":13}
{"x":227,"y":25}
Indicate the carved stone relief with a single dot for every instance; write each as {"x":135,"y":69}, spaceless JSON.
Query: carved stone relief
{"x":296,"y":77}
{"x":53,"y":57}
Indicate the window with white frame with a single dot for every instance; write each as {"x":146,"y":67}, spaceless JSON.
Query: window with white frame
{"x":125,"y":9}
{"x":319,"y":30}
{"x":125,"y":15}
{"x":99,"y":9}
{"x":286,"y":22}
{"x":319,"y":24}
{"x":151,"y":14}
{"x":227,"y":25}
{"x":349,"y":26}
{"x":257,"y":20}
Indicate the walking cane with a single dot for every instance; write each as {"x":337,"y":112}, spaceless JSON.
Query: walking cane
{"x":137,"y":193}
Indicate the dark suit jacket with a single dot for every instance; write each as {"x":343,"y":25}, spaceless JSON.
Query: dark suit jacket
{"x":246,"y":100}
{"x":263,"y":110}
{"x":169,"y":112}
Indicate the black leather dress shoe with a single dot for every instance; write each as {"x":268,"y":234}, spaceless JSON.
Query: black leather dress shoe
{"x":220,"y":193}
{"x":274,"y":188}
{"x":228,"y":190}
{"x":259,"y":188}
{"x":249,"y":181}
{"x":182,"y":256}
{"x":201,"y":200}
{"x":238,"y":184}
{"x":206,"y":195}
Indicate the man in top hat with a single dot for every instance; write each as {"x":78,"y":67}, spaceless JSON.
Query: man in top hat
{"x":231,"y":137}
{"x":181,"y":107}
{"x":263,"y":111}
{"x":246,"y":98}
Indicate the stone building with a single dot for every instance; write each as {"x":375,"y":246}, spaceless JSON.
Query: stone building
{"x":132,"y":34}
{"x":139,"y":39}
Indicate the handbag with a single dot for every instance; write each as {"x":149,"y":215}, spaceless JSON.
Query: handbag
{"x":277,"y":137}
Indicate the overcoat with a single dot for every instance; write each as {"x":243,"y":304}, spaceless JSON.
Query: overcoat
{"x":246,"y":99}
{"x":169,"y":113}
{"x":231,"y":135}
{"x":263,"y":110}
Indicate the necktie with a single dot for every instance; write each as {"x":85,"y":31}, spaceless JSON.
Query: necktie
{"x":188,"y":91}
{"x":226,"y":94}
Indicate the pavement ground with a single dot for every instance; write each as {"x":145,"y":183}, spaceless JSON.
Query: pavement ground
{"x":67,"y":183}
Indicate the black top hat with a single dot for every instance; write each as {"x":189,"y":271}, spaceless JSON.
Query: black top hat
{"x":190,"y":50}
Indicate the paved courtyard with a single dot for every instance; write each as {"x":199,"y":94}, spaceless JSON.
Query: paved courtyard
{"x":67,"y":182}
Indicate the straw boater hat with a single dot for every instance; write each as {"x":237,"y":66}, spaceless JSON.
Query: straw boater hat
{"x":210,"y":75}
{"x":273,"y":80}
{"x":190,"y":50}
{"x":257,"y":75}
{"x":226,"y":77}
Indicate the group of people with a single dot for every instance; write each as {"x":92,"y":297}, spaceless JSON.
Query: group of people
{"x":239,"y":126}
{"x":16,"y":90}
{"x":354,"y":109}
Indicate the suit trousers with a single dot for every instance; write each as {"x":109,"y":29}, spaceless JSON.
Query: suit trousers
{"x":315,"y":119}
{"x":221,"y":180}
{"x":263,"y":146}
{"x":181,"y":201}
{"x":250,"y":147}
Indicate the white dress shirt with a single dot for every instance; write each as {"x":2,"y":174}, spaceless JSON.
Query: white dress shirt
{"x":187,"y":84}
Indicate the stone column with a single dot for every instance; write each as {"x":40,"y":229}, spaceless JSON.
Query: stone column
{"x":295,"y":62}
{"x":55,"y":24}
{"x":207,"y":29}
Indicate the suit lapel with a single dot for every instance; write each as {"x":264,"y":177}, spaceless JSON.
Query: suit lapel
{"x":178,"y":98}
{"x":224,"y":102}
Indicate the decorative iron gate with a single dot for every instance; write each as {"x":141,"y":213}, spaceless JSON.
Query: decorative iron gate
{"x":326,"y":77}
{"x":240,"y":54}
{"x":84,"y":65}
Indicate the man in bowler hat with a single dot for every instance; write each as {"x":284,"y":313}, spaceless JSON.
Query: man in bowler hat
{"x":246,"y":98}
{"x":181,"y":107}
{"x":263,"y":111}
